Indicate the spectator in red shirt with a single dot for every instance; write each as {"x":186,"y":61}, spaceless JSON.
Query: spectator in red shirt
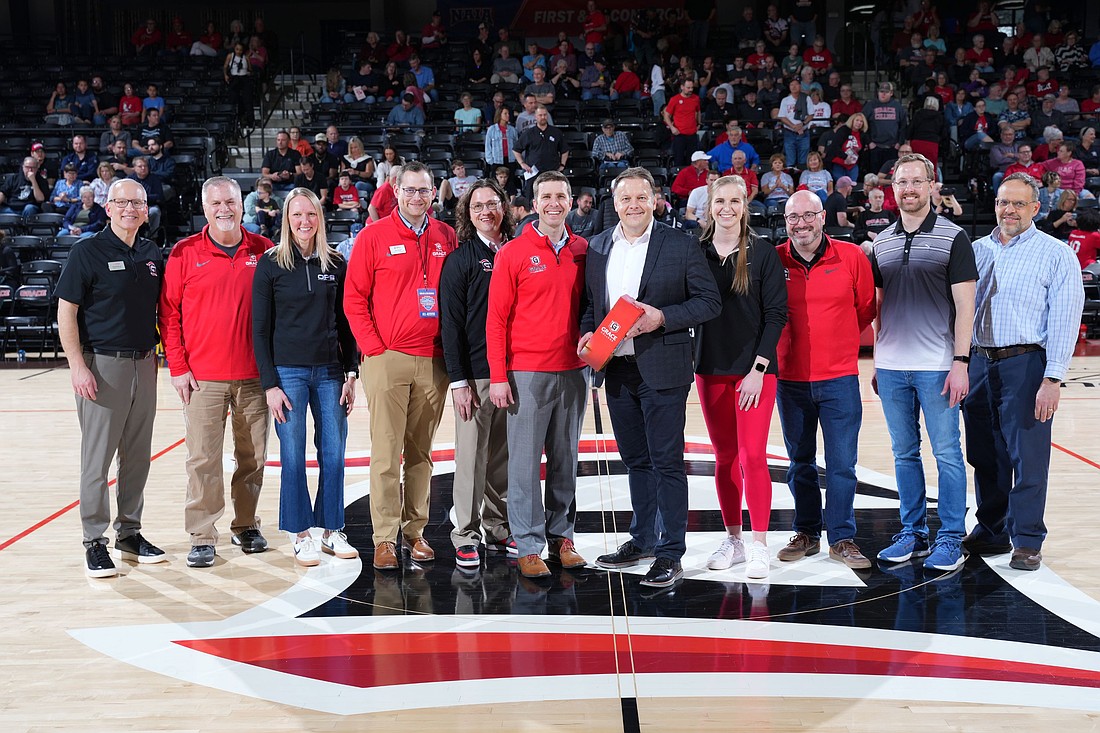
{"x":384,"y":200}
{"x":847,"y":105}
{"x":595,"y":25}
{"x":627,"y":85}
{"x":146,"y":39}
{"x":345,"y":196}
{"x":746,"y":174}
{"x":682,"y":117}
{"x":433,"y":35}
{"x":1043,"y":84}
{"x":818,"y":58}
{"x":179,"y":39}
{"x":693,"y":176}
{"x":1085,"y":239}
{"x":1025,"y":164}
{"x":1092,"y":105}
{"x":979,"y":56}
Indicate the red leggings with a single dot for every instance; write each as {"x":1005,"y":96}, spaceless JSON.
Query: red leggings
{"x":740,"y":440}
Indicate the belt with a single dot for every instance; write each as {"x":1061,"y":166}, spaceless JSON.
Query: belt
{"x":135,"y":355}
{"x":1005,"y":352}
{"x":627,"y":358}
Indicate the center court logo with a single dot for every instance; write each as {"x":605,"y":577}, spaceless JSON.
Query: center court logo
{"x":348,"y":640}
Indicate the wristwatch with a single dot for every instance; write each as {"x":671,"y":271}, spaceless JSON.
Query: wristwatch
{"x":760,"y":367}
{"x":963,"y":359}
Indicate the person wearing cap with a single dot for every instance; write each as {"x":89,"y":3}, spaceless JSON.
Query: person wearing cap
{"x":693,"y":176}
{"x":1044,"y":117}
{"x":324,"y":162}
{"x":682,"y":115}
{"x":24,"y":191}
{"x":611,"y":149}
{"x":65,"y":192}
{"x":595,"y":81}
{"x":836,"y":205}
{"x":451,"y":190}
{"x":887,"y":122}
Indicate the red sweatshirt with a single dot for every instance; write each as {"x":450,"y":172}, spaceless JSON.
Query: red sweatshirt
{"x":535,"y":306}
{"x":827,"y":309}
{"x":205,"y":309}
{"x":392,"y":278}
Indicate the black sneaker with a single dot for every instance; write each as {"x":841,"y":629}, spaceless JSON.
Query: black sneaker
{"x":467,"y":557}
{"x":201,"y":556}
{"x":250,"y":541}
{"x":99,"y":562}
{"x":663,"y":573}
{"x":627,"y":554}
{"x":138,"y":549}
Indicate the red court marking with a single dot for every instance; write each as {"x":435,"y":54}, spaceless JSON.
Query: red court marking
{"x":38,"y":525}
{"x":1078,"y":456}
{"x":382,"y":659}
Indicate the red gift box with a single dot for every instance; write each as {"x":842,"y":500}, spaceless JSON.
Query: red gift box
{"x":611,"y":332}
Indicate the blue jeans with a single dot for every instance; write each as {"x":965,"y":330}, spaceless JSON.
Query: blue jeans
{"x":905,"y":395}
{"x":839,"y":170}
{"x":588,"y":94}
{"x":318,"y":388}
{"x":835,"y":405}
{"x":796,"y":147}
{"x":1008,"y":448}
{"x":975,"y":141}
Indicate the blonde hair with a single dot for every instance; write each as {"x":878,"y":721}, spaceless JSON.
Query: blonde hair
{"x":283,"y":252}
{"x":740,"y":284}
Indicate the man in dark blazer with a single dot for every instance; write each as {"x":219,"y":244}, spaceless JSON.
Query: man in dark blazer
{"x":647,"y":381}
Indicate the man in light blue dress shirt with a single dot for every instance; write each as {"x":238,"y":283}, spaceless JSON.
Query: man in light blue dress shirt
{"x":1028,"y":313}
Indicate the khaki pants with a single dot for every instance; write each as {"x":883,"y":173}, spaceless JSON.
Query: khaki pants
{"x":119,"y":421}
{"x":481,"y":472}
{"x":204,"y":426}
{"x":405,"y":396}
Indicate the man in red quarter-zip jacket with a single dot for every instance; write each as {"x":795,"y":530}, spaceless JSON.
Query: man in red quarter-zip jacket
{"x":206,"y":325}
{"x":531,"y":338}
{"x":830,"y":300}
{"x":391,"y":299}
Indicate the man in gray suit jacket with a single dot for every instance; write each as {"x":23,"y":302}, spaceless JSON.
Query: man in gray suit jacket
{"x":648,"y":379}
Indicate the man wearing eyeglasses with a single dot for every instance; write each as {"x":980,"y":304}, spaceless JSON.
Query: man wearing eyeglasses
{"x":206,"y":324}
{"x":1029,"y":304}
{"x":392,"y":301}
{"x":484,"y":223}
{"x":830,"y":301}
{"x":107,"y":323}
{"x":924,"y":278}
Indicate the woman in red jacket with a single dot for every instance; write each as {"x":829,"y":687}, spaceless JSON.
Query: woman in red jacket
{"x":735,"y":371}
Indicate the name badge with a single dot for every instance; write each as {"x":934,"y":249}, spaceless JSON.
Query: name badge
{"x":117,"y":265}
{"x":429,"y":302}
{"x":397,"y":249}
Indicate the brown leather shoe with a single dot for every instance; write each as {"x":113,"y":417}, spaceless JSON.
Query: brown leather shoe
{"x":1025,"y":558}
{"x":800,"y":546}
{"x":419,"y":549}
{"x":532,"y":566}
{"x":385,"y":556}
{"x":565,"y":554}
{"x":848,"y":553}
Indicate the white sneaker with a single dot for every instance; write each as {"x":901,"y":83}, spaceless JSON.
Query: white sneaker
{"x":337,"y":544}
{"x":305,"y":552}
{"x":759,"y":559}
{"x":730,"y":552}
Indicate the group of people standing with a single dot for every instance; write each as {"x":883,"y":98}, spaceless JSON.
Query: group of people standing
{"x":504,"y":322}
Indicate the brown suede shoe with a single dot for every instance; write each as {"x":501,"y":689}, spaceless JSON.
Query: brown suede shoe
{"x":565,"y":554}
{"x":1025,"y":558}
{"x":420,"y":550}
{"x":385,"y":556}
{"x":848,"y":553}
{"x":532,"y":566}
{"x":800,"y":546}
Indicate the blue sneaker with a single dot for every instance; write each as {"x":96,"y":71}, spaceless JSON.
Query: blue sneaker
{"x":947,"y":554}
{"x":906,"y":545}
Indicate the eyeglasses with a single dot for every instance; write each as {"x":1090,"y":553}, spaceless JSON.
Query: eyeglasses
{"x":1017,"y":205}
{"x":413,"y":192}
{"x":493,"y":205}
{"x":126,"y":203}
{"x":904,"y":184}
{"x":809,"y":216}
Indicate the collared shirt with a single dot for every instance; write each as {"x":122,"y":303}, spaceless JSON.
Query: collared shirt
{"x":624,"y":272}
{"x":818,"y":254}
{"x":618,"y":142}
{"x":1029,"y":292}
{"x":415,"y":230}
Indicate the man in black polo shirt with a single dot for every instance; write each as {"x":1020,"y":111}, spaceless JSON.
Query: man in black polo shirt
{"x":107,"y":319}
{"x":282,"y":163}
{"x":540,"y":148}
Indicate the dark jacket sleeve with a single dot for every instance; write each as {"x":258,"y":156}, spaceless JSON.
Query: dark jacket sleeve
{"x":453,"y":282}
{"x":773,"y":299}
{"x":263,"y":321}
{"x":349,"y":351}
{"x":704,"y":301}
{"x":836,"y":145}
